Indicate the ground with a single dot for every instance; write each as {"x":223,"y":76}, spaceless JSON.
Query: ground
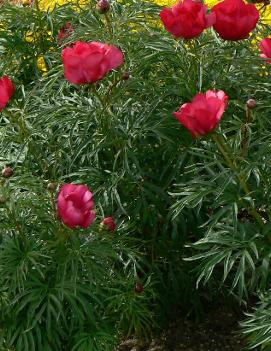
{"x":218,"y":331}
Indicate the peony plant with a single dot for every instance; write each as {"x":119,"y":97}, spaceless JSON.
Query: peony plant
{"x":164,"y":116}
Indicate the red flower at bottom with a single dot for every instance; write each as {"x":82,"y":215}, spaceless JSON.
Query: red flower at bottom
{"x":202,"y":115}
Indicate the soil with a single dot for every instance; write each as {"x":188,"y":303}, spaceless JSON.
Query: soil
{"x":217,"y":332}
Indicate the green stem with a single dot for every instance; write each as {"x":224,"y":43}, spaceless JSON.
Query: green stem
{"x":11,"y":212}
{"x":53,"y":203}
{"x":36,"y":2}
{"x":108,"y":22}
{"x":95,"y":92}
{"x":245,"y":132}
{"x":225,"y":152}
{"x":12,"y":215}
{"x":110,"y":90}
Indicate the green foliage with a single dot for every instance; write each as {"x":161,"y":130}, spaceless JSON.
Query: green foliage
{"x":65,"y":289}
{"x":257,"y":324}
{"x":75,"y":289}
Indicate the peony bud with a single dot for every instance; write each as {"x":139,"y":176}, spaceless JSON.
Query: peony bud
{"x":251,"y":104}
{"x":7,"y":172}
{"x":2,"y":200}
{"x":103,"y":6}
{"x":125,"y":75}
{"x":27,"y":2}
{"x":109,"y":223}
{"x":139,"y":288}
{"x":52,"y":186}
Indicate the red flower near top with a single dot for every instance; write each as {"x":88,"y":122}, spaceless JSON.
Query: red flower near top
{"x":7,"y":89}
{"x":202,"y":115}
{"x":265,"y":47}
{"x":88,"y":62}
{"x":235,"y":19}
{"x":75,"y":205}
{"x":187,"y":19}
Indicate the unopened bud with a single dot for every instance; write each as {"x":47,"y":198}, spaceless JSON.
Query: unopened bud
{"x":27,"y":2}
{"x":65,"y":32}
{"x":7,"y":172}
{"x":109,"y":224}
{"x":103,"y":6}
{"x":125,"y":75}
{"x":251,"y":104}
{"x":2,"y":199}
{"x":51,"y":186}
{"x":139,"y":288}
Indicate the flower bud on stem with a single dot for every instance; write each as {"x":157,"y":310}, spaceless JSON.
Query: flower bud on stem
{"x":52,"y":186}
{"x":125,"y":75}
{"x":103,"y":6}
{"x":139,"y":288}
{"x":7,"y":172}
{"x":251,"y":104}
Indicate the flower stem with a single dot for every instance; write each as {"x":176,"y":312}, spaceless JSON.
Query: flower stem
{"x":108,"y":22}
{"x":245,"y":132}
{"x":95,"y":92}
{"x":36,"y":2}
{"x":232,"y":164}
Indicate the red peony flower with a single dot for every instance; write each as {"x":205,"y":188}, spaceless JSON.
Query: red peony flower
{"x":109,"y":223}
{"x":187,"y":19}
{"x":64,"y":32}
{"x":265,"y":47}
{"x":235,"y":19}
{"x":88,"y":62}
{"x":7,"y":89}
{"x":75,"y":205}
{"x":202,"y":115}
